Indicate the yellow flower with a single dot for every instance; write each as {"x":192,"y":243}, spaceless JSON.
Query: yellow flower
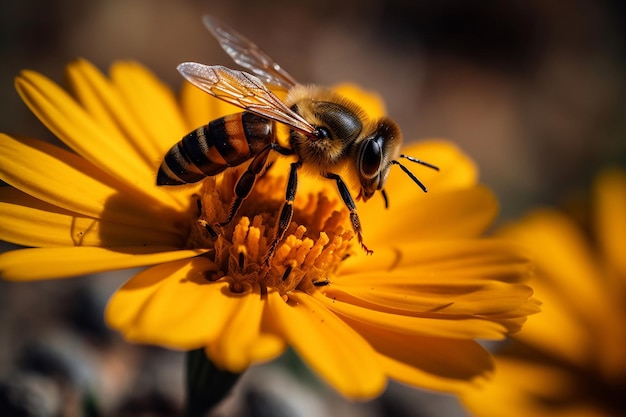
{"x":570,"y":360}
{"x":412,"y":311}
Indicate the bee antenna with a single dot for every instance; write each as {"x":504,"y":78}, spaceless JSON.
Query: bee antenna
{"x":410,"y":174}
{"x":419,"y":161}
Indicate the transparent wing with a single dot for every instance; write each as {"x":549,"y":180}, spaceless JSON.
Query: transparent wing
{"x":243,"y":90}
{"x":247,"y":54}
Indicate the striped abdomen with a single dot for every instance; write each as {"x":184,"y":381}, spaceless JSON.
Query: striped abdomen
{"x":210,"y":149}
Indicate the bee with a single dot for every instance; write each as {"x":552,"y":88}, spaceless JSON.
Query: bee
{"x":329,"y":134}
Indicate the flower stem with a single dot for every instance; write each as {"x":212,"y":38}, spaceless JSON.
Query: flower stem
{"x":206,"y":385}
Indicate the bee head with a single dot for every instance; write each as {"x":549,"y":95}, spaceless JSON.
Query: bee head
{"x":375,"y":155}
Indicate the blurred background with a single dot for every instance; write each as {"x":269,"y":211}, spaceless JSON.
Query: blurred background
{"x":532,"y":90}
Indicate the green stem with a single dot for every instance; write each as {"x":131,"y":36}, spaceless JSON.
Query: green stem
{"x":206,"y":386}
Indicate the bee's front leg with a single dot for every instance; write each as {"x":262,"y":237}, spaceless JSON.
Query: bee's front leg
{"x":349,"y":202}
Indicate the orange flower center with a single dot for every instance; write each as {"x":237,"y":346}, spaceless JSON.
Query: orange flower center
{"x":317,"y":240}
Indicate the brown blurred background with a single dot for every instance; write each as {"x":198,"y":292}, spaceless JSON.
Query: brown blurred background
{"x":532,"y":90}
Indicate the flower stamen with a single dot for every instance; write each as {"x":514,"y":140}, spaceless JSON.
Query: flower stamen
{"x":315,"y":243}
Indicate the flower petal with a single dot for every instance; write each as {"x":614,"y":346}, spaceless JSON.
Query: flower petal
{"x":462,"y":327}
{"x":106,"y":106}
{"x":175,"y":296}
{"x":567,"y":272}
{"x":235,"y":346}
{"x":70,"y":123}
{"x":369,"y":101}
{"x":560,"y":239}
{"x":429,"y":362}
{"x":484,"y":259}
{"x":610,"y":221}
{"x":514,"y":391}
{"x":152,"y":104}
{"x":199,"y":108}
{"x":51,"y":263}
{"x":31,"y":222}
{"x":453,"y":214}
{"x":476,"y":277}
{"x":195,"y":311}
{"x":456,"y":170}
{"x":459,"y":279}
{"x":67,"y":181}
{"x":333,"y":349}
{"x":475,"y":299}
{"x":107,"y":148}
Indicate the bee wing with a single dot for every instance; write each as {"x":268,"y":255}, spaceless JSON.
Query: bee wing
{"x":247,"y":54}
{"x":243,"y":90}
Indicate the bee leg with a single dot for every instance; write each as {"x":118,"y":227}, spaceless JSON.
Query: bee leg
{"x":349,"y":202}
{"x":204,"y":224}
{"x":248,"y":178}
{"x":200,"y":220}
{"x":286,"y":212}
{"x":385,"y":198}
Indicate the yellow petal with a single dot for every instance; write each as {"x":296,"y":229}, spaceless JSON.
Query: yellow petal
{"x":610,"y":218}
{"x":103,"y":147}
{"x":104,"y":103}
{"x":522,"y":388}
{"x":97,"y":96}
{"x":67,"y":181}
{"x":562,"y":254}
{"x":463,"y":327}
{"x":417,"y":377}
{"x":51,"y":263}
{"x":566,"y":269}
{"x":578,"y":299}
{"x":235,"y":347}
{"x":477,"y":259}
{"x":152,"y":105}
{"x":266,"y":347}
{"x":428,"y":362}
{"x":172,"y":304}
{"x":31,"y":222}
{"x":475,"y":278}
{"x":476,"y":299}
{"x":175,"y":305}
{"x":453,"y":214}
{"x":329,"y":346}
{"x":451,"y":277}
{"x":456,"y":170}
{"x":201,"y":108}
{"x":369,"y":101}
{"x":570,"y":343}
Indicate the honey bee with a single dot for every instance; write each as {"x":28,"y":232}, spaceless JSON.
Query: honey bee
{"x":329,"y":134}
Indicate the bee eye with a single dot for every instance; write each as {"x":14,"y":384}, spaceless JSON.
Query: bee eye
{"x":321,"y":133}
{"x":371,"y":158}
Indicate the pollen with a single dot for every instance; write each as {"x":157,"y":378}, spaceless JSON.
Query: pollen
{"x":318,"y":239}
